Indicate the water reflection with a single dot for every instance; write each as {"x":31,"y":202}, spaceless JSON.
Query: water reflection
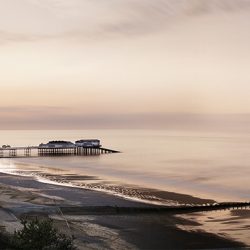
{"x":233,"y":224}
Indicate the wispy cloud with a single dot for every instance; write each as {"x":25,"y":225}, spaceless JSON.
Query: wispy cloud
{"x":46,"y":117}
{"x":108,"y":18}
{"x":7,"y":37}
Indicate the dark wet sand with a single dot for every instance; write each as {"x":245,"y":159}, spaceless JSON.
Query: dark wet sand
{"x":23,"y":196}
{"x":160,"y":232}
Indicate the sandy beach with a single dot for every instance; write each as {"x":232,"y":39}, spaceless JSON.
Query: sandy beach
{"x":94,"y":219}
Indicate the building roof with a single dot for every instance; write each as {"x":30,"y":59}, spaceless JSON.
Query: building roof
{"x":88,"y":140}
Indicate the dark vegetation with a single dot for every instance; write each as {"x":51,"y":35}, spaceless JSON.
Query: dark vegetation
{"x":35,"y":234}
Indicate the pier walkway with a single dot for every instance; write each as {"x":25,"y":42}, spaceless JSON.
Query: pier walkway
{"x":36,"y":151}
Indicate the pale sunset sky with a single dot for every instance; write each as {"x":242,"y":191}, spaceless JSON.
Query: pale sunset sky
{"x":123,"y":63}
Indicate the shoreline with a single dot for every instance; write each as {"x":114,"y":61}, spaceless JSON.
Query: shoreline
{"x":24,"y":196}
{"x":49,"y":172}
{"x":131,"y":192}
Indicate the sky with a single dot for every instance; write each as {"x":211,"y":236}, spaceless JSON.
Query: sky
{"x":122,"y":63}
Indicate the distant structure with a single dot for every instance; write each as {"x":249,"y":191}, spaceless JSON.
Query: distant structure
{"x":57,"y":144}
{"x":57,"y":148}
{"x":88,"y":143}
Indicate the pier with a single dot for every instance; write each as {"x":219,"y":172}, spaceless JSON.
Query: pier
{"x":56,"y":148}
{"x":17,"y":152}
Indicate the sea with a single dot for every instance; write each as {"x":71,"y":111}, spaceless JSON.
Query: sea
{"x":202,"y":164}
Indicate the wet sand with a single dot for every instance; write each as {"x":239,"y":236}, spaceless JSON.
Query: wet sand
{"x":26,"y":197}
{"x":128,"y":191}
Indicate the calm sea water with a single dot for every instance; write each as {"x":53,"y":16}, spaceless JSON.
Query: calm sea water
{"x":206,"y":165}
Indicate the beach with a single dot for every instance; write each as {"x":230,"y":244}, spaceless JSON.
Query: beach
{"x":94,"y":219}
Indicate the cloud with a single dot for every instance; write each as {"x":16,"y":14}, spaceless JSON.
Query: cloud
{"x":13,"y":111}
{"x":50,"y":117}
{"x":77,"y":19}
{"x":150,"y":16}
{"x":7,"y":37}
